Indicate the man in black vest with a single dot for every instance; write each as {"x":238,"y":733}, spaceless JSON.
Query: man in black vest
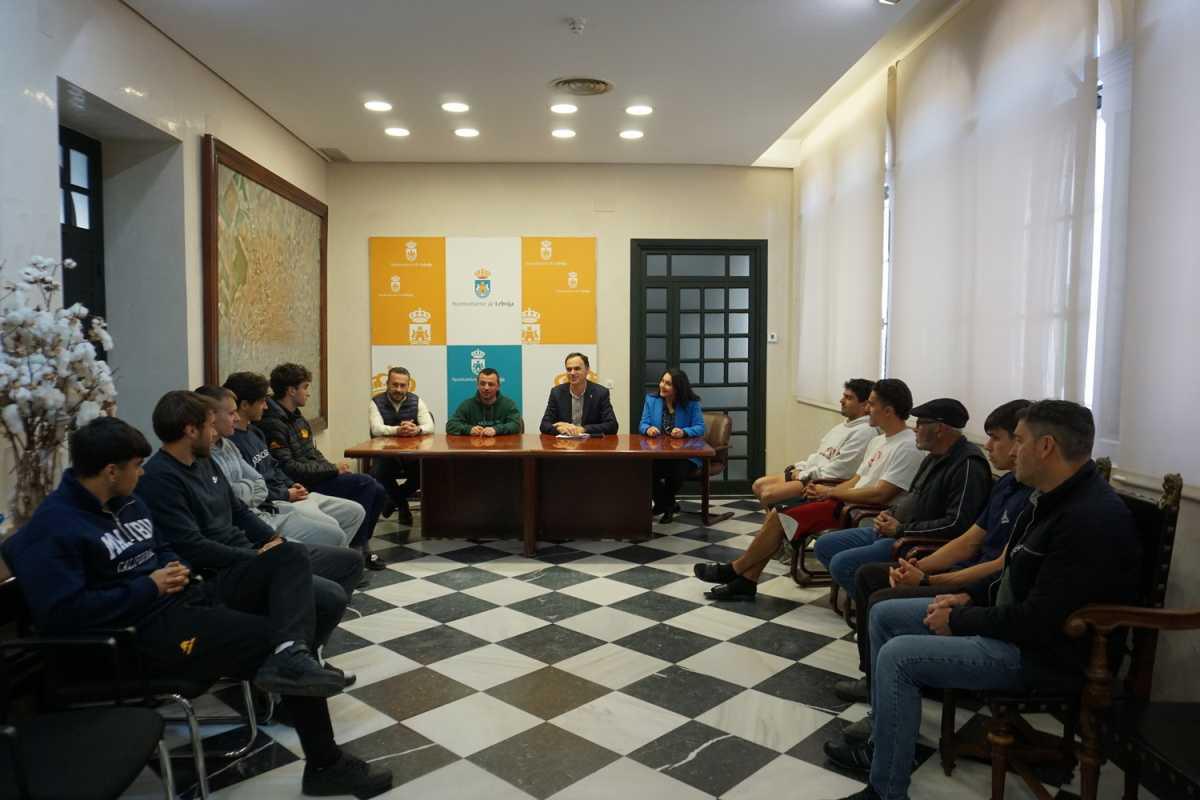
{"x":577,"y":406}
{"x":399,"y":412}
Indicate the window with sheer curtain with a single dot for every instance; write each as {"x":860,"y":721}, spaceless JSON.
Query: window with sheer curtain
{"x":838,"y":247}
{"x":995,"y":121}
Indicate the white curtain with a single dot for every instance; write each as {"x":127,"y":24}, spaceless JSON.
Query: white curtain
{"x":995,"y":121}
{"x":1160,"y":380}
{"x":839,"y":247}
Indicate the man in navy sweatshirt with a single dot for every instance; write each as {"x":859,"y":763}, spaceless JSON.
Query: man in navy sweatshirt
{"x":90,"y":559}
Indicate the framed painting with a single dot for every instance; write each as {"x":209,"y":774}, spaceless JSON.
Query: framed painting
{"x":264,"y":246}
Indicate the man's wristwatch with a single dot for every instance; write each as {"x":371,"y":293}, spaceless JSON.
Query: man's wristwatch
{"x":925,"y":580}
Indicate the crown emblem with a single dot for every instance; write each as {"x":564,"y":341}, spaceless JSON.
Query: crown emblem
{"x":530,"y":317}
{"x":477,"y":353}
{"x":483,"y":273}
{"x":419,"y":316}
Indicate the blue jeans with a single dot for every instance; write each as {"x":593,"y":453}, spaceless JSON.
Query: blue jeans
{"x":843,"y":552}
{"x":907,"y":657}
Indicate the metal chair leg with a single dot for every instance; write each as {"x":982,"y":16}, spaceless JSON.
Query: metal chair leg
{"x":197,"y":743}
{"x":167,"y":773}
{"x":251,"y":720}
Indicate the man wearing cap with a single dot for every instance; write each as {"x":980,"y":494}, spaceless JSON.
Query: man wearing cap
{"x":949,"y":490}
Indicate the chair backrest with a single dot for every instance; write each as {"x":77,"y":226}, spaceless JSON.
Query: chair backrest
{"x":718,"y":428}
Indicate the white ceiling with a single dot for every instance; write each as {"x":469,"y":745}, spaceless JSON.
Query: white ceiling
{"x":726,"y":77}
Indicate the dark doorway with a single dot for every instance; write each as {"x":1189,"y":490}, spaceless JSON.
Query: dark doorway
{"x":81,"y":216}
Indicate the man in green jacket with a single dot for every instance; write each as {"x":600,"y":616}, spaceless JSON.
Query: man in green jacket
{"x":488,"y":413}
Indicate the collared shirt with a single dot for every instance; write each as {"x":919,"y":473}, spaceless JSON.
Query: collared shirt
{"x":424,"y":419}
{"x":577,"y":408}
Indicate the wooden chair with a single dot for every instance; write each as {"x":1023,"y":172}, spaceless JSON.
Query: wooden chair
{"x":851,"y":516}
{"x":718,"y":428}
{"x":1009,"y":741}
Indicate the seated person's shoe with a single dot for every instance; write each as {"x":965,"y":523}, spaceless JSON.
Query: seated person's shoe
{"x":856,"y":691}
{"x":347,"y":775}
{"x":854,"y":758}
{"x":737,"y":589}
{"x":348,"y":678}
{"x":295,"y":671}
{"x":372,"y":560}
{"x":404,"y":515}
{"x":859,"y":732}
{"x":667,"y":516}
{"x":866,"y":793}
{"x":388,"y":508}
{"x":715,"y":573}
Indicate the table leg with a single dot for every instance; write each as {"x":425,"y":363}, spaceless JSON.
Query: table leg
{"x":529,"y":491}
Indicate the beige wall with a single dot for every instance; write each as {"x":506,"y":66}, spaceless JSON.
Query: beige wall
{"x":614,"y":203}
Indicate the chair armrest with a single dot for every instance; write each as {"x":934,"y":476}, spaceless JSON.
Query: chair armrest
{"x":1105,"y":618}
{"x":855,"y":514}
{"x":110,"y":639}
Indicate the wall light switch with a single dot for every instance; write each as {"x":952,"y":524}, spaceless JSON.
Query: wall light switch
{"x":772,"y":338}
{"x":610,"y":383}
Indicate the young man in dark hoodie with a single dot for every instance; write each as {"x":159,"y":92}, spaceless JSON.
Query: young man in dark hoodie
{"x":290,"y":440}
{"x":90,"y":558}
{"x":1076,"y":545}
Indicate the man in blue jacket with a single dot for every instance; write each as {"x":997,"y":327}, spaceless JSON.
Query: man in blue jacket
{"x":1076,"y":546}
{"x":90,"y":559}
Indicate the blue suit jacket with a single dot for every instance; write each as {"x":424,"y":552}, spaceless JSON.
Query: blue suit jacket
{"x":690,"y":418}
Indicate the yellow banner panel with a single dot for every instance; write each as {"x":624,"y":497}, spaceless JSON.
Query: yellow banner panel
{"x":558,"y":290}
{"x":408,"y":290}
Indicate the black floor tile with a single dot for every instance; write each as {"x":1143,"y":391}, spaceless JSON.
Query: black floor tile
{"x":548,"y":692}
{"x":808,"y":685}
{"x":412,"y":693}
{"x":726,"y":761}
{"x":655,"y":606}
{"x":780,"y":640}
{"x":764,"y":607}
{"x":551,"y":644}
{"x":555,"y":577}
{"x":476,"y":554}
{"x":638,"y":554}
{"x":646,"y":577}
{"x":342,"y":641}
{"x":408,"y":754}
{"x":366,"y":605}
{"x":553,"y":606}
{"x":434,"y":644}
{"x":716,"y":552}
{"x":683,"y":691}
{"x":711,"y":535}
{"x":544,"y":760}
{"x":465,"y":578}
{"x":265,"y":755}
{"x":667,"y":642}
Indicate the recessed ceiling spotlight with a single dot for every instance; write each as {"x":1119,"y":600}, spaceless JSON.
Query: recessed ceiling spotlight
{"x":563,"y":133}
{"x":563,"y":108}
{"x":632,"y":134}
{"x":377,"y":105}
{"x":456,"y":108}
{"x":466,"y":133}
{"x":396,"y":131}
{"x":639,"y":111}
{"x":889,"y":2}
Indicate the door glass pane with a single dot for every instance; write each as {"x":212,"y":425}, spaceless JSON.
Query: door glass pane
{"x":739,"y":298}
{"x":739,"y":266}
{"x":714,"y":348}
{"x":739,"y":419}
{"x":736,"y":470}
{"x":691,"y":369}
{"x":79,"y":169}
{"x":697,"y":266}
{"x":739,"y":348}
{"x":689,"y":348}
{"x":656,"y":265}
{"x":739,"y":372}
{"x":654,"y":371}
{"x":656,"y":324}
{"x":713,"y":373}
{"x":62,"y":208}
{"x":714,"y":299}
{"x":689,"y":323}
{"x":725,"y":397}
{"x":737,"y":445}
{"x":714,"y":323}
{"x":656,"y":299}
{"x":739,"y":323}
{"x":689,"y":299}
{"x":656,"y":348}
{"x":80,"y":202}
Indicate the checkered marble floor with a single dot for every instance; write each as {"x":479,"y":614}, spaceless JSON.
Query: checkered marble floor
{"x":595,"y":670}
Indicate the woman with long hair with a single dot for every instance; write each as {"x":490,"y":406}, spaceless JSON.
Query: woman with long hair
{"x":674,"y":411}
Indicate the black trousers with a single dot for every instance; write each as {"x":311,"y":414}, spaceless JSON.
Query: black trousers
{"x":226,"y":628}
{"x":668,"y":477}
{"x":389,"y":470}
{"x":362,"y":489}
{"x":871,"y":585}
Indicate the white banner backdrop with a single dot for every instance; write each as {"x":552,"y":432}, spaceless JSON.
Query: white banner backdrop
{"x":483,"y":290}
{"x":541,"y":365}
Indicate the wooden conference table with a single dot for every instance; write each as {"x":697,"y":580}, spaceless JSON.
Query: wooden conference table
{"x":532,"y":486}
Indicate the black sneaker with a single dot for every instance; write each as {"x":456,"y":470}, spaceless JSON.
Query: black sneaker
{"x":296,"y":672}
{"x":856,"y":691}
{"x":715,"y":573}
{"x":737,"y":589}
{"x":372,"y":560}
{"x":859,"y":732}
{"x":348,"y":678}
{"x":854,"y":758}
{"x":347,"y":775}
{"x":404,"y":515}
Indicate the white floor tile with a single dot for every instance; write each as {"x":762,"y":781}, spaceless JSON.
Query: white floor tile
{"x":608,"y":624}
{"x":600,"y":565}
{"x":424,"y":567}
{"x":672,"y":528}
{"x":838,"y":656}
{"x":439,"y":546}
{"x":612,"y":666}
{"x":679,"y":563}
{"x":512,"y":566}
{"x":787,"y":589}
{"x":373,"y":664}
{"x":619,"y":722}
{"x":471,"y":724}
{"x":737,"y":526}
{"x":506,"y":591}
{"x":814,"y":619}
{"x":785,"y":775}
{"x":740,"y":542}
{"x":462,"y":779}
{"x":629,"y":779}
{"x":595,"y":546}
{"x":736,"y":664}
{"x":674,"y":544}
{"x":764,"y":719}
{"x":409,"y":592}
{"x":485,"y":667}
{"x":497,"y":624}
{"x":602,"y":591}
{"x":715,"y":622}
{"x":690,"y":588}
{"x":387,"y":625}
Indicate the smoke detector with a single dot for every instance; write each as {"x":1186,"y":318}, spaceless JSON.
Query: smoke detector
{"x":581,"y":87}
{"x":575,"y":24}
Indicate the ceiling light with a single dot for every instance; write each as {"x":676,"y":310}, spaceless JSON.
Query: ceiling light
{"x":563,"y":108}
{"x":396,"y":131}
{"x":455,"y":108}
{"x":632,"y":134}
{"x":377,"y":105}
{"x":563,"y":133}
{"x":639,"y":111}
{"x":466,"y":133}
{"x":889,"y":2}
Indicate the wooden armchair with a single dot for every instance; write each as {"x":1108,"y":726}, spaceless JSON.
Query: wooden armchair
{"x":1010,"y":742}
{"x":850,"y":516}
{"x":718,"y":428}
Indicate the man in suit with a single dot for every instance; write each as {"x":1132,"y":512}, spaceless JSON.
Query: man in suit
{"x":578,"y":406}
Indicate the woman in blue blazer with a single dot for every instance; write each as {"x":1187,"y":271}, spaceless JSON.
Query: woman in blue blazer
{"x":675,"y":411}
